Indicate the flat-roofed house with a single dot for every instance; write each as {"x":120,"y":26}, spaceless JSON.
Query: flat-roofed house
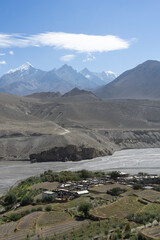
{"x":49,"y":194}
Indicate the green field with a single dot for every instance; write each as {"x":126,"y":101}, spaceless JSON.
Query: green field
{"x":121,"y":208}
{"x":55,"y":217}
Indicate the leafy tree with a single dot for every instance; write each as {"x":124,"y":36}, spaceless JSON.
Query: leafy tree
{"x":127,"y":227}
{"x":127,"y":231}
{"x":48,"y":208}
{"x":116,"y":191}
{"x":142,"y":174}
{"x":86,"y":174}
{"x":10,"y":198}
{"x":137,"y":186}
{"x":26,"y":200}
{"x":114,"y":174}
{"x":84,"y":207}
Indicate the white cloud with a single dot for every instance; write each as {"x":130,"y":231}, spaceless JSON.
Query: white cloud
{"x":2,"y":62}
{"x":11,"y":52}
{"x":2,"y":54}
{"x":70,"y":41}
{"x":89,"y":57}
{"x":67,"y":58}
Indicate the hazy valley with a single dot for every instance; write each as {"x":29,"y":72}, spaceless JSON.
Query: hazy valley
{"x":81,"y":123}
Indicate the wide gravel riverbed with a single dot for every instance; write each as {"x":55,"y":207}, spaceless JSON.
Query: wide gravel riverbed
{"x":131,"y":161}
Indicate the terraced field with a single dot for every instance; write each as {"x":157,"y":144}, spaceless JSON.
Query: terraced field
{"x":151,"y":208}
{"x":53,"y":218}
{"x":16,"y":236}
{"x":28,"y":221}
{"x":120,"y":208}
{"x":153,"y":233}
{"x":7,"y":229}
{"x":60,"y":228}
{"x":149,"y":195}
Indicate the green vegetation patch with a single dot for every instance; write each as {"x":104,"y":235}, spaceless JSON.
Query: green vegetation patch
{"x":116,"y":191}
{"x":121,"y":208}
{"x":152,"y":208}
{"x":150,"y":195}
{"x":55,"y":217}
{"x":75,"y":202}
{"x":90,"y":230}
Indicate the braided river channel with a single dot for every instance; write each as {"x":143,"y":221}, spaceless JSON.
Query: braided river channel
{"x":130,"y":161}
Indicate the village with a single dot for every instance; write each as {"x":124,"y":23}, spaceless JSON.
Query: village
{"x":97,"y":201}
{"x":69,"y":190}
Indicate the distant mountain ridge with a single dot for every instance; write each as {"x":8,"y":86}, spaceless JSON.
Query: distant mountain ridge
{"x":141,"y":82}
{"x":26,"y":80}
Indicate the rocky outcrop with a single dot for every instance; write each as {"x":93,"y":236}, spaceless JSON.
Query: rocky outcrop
{"x":132,"y":139}
{"x":68,"y":153}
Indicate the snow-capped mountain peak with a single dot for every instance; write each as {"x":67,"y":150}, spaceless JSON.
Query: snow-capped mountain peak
{"x":88,"y":76}
{"x":23,"y":67}
{"x":109,"y":73}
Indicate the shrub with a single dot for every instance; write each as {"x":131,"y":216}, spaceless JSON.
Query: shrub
{"x":48,"y":199}
{"x":26,"y":200}
{"x":145,"y":217}
{"x":33,"y":210}
{"x":116,"y":191}
{"x":14,"y":216}
{"x":48,"y":208}
{"x":24,"y":213}
{"x":127,"y":235}
{"x":114,"y":236}
{"x":106,"y":231}
{"x":137,"y":186}
{"x":130,"y":217}
{"x":140,"y":236}
{"x":39,"y":209}
{"x":114,"y":174}
{"x":127,"y":227}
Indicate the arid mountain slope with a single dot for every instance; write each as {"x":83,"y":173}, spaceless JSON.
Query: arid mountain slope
{"x":141,"y":82}
{"x":32,"y":126}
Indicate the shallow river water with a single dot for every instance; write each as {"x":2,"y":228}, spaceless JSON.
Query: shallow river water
{"x":131,"y":161}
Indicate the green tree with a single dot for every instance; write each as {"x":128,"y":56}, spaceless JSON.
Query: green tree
{"x":86,"y":174}
{"x":26,"y":200}
{"x":116,"y":191}
{"x":84,"y":207}
{"x":48,"y":208}
{"x":137,"y":186}
{"x":10,"y":199}
{"x":127,"y":231}
{"x":115,"y":174}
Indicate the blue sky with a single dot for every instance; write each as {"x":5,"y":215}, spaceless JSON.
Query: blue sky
{"x":101,"y":35}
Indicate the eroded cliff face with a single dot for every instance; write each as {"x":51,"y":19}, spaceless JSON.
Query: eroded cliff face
{"x":114,"y":140}
{"x":126,"y":139}
{"x":68,"y":153}
{"x":75,"y":145}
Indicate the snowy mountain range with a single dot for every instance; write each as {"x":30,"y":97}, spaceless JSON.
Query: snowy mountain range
{"x":26,"y":80}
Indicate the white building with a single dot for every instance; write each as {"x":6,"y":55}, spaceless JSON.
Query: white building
{"x":49,"y":194}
